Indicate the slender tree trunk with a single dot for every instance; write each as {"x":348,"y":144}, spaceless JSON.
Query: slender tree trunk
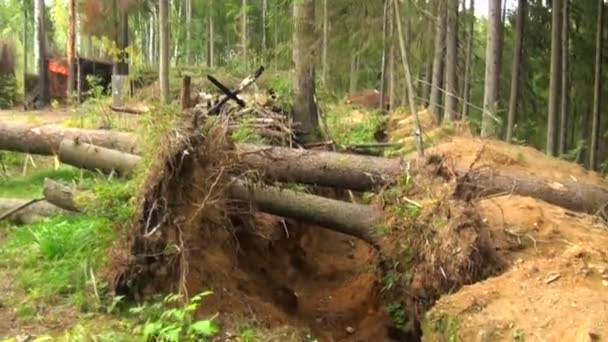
{"x":565,"y":95}
{"x":428,"y":79}
{"x":164,"y":49}
{"x":25,"y":48}
{"x":325,"y":66}
{"x":188,"y":31}
{"x":466,"y":91}
{"x":555,"y":78}
{"x":123,"y":42}
{"x":264,"y":15}
{"x":391,"y":73}
{"x":516,"y":68}
{"x":451,"y":102}
{"x":42,"y":66}
{"x":387,"y":37}
{"x":244,"y":39}
{"x":211,"y":48}
{"x":151,"y":37}
{"x":71,"y":55}
{"x":304,"y":51}
{"x":490,"y":98}
{"x":439,"y":54}
{"x":36,"y":34}
{"x":354,"y":72}
{"x":597,"y":89}
{"x":408,"y":82}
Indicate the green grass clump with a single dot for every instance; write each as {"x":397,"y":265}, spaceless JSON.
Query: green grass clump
{"x":55,"y":257}
{"x":344,"y":132}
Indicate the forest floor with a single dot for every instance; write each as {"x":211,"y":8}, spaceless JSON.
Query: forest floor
{"x":553,"y":285}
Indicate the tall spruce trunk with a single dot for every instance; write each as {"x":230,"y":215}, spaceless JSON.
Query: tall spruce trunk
{"x":451,"y":102}
{"x":41,"y":44}
{"x":555,"y":78}
{"x":565,"y":95}
{"x":490,"y":98}
{"x":211,"y":37}
{"x":70,"y":51}
{"x":244,"y":38}
{"x":597,"y":88}
{"x":516,"y":68}
{"x":324,"y":62}
{"x":439,"y":54}
{"x":164,"y":49}
{"x":386,"y":42}
{"x":304,"y":51}
{"x":468,"y":60}
{"x":188,"y":31}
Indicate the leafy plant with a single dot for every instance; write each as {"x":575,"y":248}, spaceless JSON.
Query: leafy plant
{"x":167,"y":322}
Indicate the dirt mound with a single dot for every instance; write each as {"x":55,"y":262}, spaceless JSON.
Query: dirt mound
{"x":554,"y":289}
{"x":490,"y":153}
{"x":189,"y":236}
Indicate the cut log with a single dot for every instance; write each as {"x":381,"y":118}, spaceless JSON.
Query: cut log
{"x":92,"y":157}
{"x":28,"y":214}
{"x":59,"y":195}
{"x":575,"y":196}
{"x":352,"y":219}
{"x":321,"y":168}
{"x":45,"y":139}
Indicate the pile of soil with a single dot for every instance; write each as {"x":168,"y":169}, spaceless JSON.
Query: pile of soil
{"x":494,"y":268}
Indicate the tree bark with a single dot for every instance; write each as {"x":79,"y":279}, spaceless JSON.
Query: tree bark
{"x":490,"y":98}
{"x":466,"y":91}
{"x":29,"y":214}
{"x":188,"y":31}
{"x":71,"y":48}
{"x":264,"y":26}
{"x":45,"y":140}
{"x":516,"y":68}
{"x":565,"y":84}
{"x":321,"y":168}
{"x":93,"y":157}
{"x":43,"y":99}
{"x":555,"y":78}
{"x":386,"y":46}
{"x":575,"y":196}
{"x":59,"y":195}
{"x":244,"y":39}
{"x":357,"y":220}
{"x":186,"y":99}
{"x":324,"y":65}
{"x":211,"y":38}
{"x":164,"y":49}
{"x":451,"y":102}
{"x":438,"y":61}
{"x":304,"y":51}
{"x":597,"y":88}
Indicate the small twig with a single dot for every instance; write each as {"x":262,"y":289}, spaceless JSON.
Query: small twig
{"x":20,"y":207}
{"x":478,"y":155}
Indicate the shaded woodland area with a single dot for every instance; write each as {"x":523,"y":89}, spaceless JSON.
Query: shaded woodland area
{"x":303,"y":170}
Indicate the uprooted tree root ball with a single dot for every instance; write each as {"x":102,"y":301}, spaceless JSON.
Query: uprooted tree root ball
{"x":188,"y":235}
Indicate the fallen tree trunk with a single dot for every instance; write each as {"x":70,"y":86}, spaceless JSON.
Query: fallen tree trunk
{"x":28,"y":214}
{"x":59,"y":195}
{"x":92,"y":157}
{"x":321,"y":168}
{"x":45,"y":139}
{"x":352,"y":219}
{"x":575,"y":196}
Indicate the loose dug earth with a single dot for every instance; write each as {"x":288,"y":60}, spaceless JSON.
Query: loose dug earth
{"x":277,"y":273}
{"x":260,"y":268}
{"x":556,"y":288}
